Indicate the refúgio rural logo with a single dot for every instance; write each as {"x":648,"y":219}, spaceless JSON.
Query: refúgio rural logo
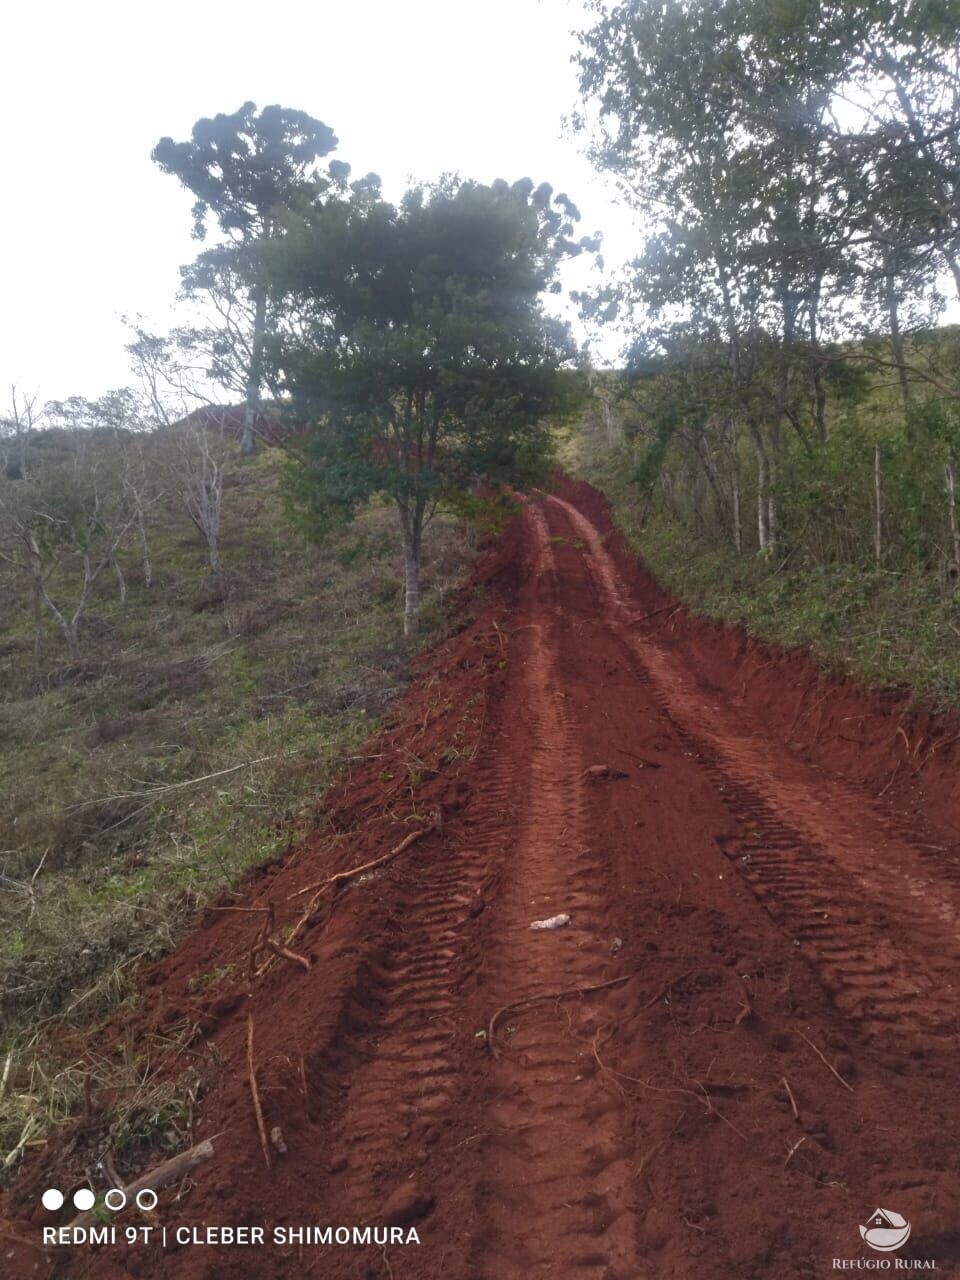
{"x":886,"y":1230}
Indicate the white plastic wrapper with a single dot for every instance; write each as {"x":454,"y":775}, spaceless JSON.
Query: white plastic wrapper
{"x":552,"y":922}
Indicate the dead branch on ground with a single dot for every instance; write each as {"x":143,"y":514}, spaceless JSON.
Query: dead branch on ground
{"x":156,"y":1179}
{"x":335,"y":883}
{"x":830,"y":1067}
{"x":255,"y":1093}
{"x":793,"y":1101}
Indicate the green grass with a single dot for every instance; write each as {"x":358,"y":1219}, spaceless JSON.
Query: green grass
{"x":111,"y":844}
{"x":885,"y":628}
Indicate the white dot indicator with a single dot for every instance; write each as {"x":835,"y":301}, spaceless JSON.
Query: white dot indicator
{"x":84,"y":1199}
{"x":52,"y":1199}
{"x":147,"y":1199}
{"x":115,"y":1199}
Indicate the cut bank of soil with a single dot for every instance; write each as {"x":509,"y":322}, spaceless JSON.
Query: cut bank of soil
{"x":764,"y":1044}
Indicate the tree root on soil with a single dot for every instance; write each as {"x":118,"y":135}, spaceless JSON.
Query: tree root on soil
{"x":546,"y":995}
{"x":319,"y":888}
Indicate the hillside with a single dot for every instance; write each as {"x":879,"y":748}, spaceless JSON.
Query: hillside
{"x":191,"y":741}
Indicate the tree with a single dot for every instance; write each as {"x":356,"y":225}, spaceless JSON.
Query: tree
{"x":423,"y":359}
{"x":16,"y":430}
{"x":196,"y":462}
{"x":61,"y":526}
{"x":799,"y":163}
{"x":247,"y":171}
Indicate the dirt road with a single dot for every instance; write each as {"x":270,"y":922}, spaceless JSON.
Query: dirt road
{"x":743,"y":1042}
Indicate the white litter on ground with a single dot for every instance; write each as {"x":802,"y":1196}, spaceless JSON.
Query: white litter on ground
{"x":552,"y":922}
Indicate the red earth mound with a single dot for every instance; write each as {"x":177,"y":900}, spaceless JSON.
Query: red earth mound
{"x":742,"y":1040}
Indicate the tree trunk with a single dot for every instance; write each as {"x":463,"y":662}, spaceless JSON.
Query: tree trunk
{"x":412,"y":531}
{"x":737,"y":516}
{"x":411,"y":578}
{"x":896,"y":337}
{"x":37,"y":605}
{"x":69,"y":633}
{"x":763,"y":496}
{"x":121,"y":580}
{"x":951,"y":478}
{"x":877,"y":507}
{"x":69,"y":628}
{"x":248,"y":440}
{"x":819,"y":390}
{"x":144,"y":549}
{"x":763,"y":509}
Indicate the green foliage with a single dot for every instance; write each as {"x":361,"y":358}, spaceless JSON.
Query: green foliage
{"x":890,"y":621}
{"x":245,"y":167}
{"x":428,"y":363}
{"x":422,"y":358}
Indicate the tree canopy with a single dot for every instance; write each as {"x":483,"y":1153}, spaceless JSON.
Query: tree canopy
{"x":423,"y":356}
{"x":246,"y":167}
{"x":248,"y":171}
{"x":799,"y":165}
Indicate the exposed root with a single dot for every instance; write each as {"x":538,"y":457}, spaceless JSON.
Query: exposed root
{"x":334,"y":883}
{"x":664,"y":991}
{"x":293,"y":956}
{"x":343,"y":876}
{"x":890,"y":780}
{"x":546,"y":995}
{"x":654,"y":613}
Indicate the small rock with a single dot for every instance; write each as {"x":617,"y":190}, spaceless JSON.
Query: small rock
{"x":407,"y":1204}
{"x":276,"y":1140}
{"x":337,"y":1165}
{"x":615,"y":946}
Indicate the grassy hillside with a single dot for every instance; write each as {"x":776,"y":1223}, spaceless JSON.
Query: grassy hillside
{"x":192,"y":740}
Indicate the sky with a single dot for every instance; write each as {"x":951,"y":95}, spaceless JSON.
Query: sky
{"x":91,"y":230}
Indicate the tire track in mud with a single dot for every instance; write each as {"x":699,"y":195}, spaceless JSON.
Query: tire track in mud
{"x":555,"y":1193}
{"x":857,"y":900}
{"x":407,"y":1060}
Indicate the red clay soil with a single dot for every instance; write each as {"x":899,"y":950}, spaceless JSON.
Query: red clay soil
{"x":748,"y":1034}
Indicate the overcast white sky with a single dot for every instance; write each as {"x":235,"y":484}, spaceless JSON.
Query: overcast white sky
{"x":92,"y":230}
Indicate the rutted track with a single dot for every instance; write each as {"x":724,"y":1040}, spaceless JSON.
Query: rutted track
{"x":815,"y":852}
{"x":554,"y":1157}
{"x":764,"y":1043}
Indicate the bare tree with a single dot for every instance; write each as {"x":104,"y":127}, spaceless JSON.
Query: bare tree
{"x":197,"y":459}
{"x":60,"y":526}
{"x":16,"y":428}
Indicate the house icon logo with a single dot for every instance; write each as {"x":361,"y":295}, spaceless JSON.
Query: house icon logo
{"x":885,"y":1230}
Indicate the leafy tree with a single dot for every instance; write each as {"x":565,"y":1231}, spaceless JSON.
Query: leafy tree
{"x":423,"y":358}
{"x":247,"y":171}
{"x":799,"y":163}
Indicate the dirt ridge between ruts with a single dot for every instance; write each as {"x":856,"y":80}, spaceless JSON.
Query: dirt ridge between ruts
{"x":728,"y":931}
